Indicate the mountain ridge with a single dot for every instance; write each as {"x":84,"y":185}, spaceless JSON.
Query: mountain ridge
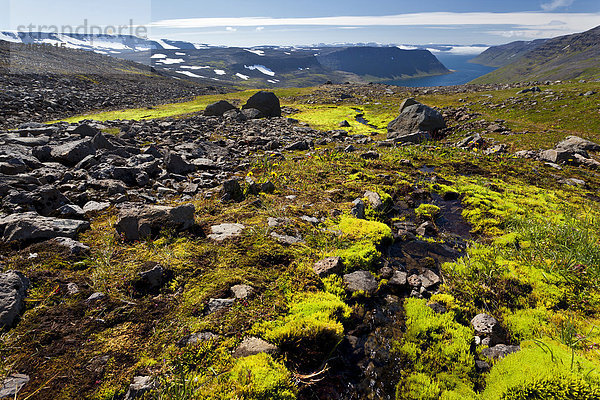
{"x":568,"y":57}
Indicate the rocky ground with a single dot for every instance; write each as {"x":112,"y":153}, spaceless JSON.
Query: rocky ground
{"x":241,"y":252}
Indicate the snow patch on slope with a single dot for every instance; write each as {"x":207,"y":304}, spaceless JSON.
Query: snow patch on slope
{"x":260,"y":68}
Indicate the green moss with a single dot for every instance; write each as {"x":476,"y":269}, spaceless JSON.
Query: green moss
{"x":259,"y":377}
{"x":361,"y":229}
{"x":418,"y":386}
{"x":428,"y":211}
{"x":436,"y":345}
{"x":542,"y":370}
{"x":359,"y":256}
{"x":529,"y":323}
{"x":312,"y":318}
{"x":334,"y":284}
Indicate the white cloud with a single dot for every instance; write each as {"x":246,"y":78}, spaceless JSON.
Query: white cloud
{"x":260,"y":28}
{"x":554,"y":4}
{"x":431,"y":19}
{"x":517,"y":24}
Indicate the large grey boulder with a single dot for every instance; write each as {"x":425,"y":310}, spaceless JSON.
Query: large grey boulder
{"x":13,"y":286}
{"x":142,"y":222}
{"x":266,"y":102}
{"x":73,"y":152}
{"x":557,"y":156}
{"x":31,"y":226}
{"x":416,"y":118}
{"x":218,"y":109}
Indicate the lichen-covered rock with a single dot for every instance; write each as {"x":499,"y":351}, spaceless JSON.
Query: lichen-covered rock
{"x":140,"y":386}
{"x":484,"y":324}
{"x":13,"y":287}
{"x":328,"y":266}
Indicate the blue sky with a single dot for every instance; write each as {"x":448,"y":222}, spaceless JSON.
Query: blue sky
{"x":282,"y":22}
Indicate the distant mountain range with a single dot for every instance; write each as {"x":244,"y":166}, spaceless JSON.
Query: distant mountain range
{"x":260,"y":66}
{"x":567,"y":57}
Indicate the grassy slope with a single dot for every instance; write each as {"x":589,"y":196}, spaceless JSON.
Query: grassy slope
{"x":535,"y":237}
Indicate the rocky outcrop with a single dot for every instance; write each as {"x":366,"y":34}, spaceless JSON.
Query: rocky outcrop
{"x":141,"y":222}
{"x":31,"y":226}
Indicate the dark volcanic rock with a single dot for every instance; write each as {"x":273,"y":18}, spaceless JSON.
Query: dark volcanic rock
{"x":177,"y":165}
{"x":266,"y":102}
{"x":218,"y":108}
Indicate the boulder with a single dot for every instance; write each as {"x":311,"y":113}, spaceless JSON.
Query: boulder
{"x":141,"y":222}
{"x":415,"y":118}
{"x":242,"y":291}
{"x":13,"y":286}
{"x":215,"y":305}
{"x":251,"y":113}
{"x":84,"y":130}
{"x":218,"y":108}
{"x":557,"y":156}
{"x":576,"y":144}
{"x":152,"y":278}
{"x":31,"y":226}
{"x":199,"y":337}
{"x":266,"y":102}
{"x":232,"y":191}
{"x":361,"y":281}
{"x":411,"y":138}
{"x":399,"y":278}
{"x":177,"y":165}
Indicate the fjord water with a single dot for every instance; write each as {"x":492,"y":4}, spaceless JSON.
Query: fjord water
{"x":463,"y":72}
